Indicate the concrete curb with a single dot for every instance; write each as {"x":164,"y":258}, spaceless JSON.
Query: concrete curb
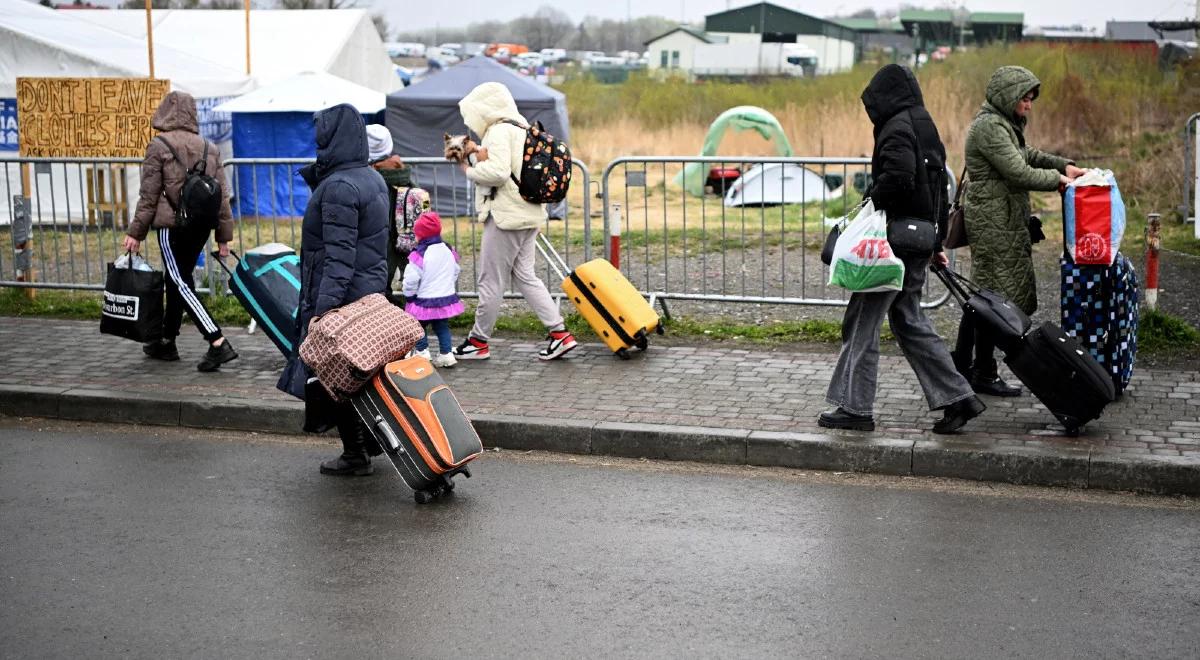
{"x":1044,"y":466}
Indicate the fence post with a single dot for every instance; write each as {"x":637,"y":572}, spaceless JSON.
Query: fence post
{"x":1153,"y":244}
{"x":614,"y":236}
{"x":23,"y":245}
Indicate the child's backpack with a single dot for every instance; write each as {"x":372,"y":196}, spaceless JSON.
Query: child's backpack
{"x":200,"y":196}
{"x":410,"y":204}
{"x":545,"y":166}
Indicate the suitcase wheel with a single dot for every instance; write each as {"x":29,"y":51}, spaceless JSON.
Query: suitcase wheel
{"x":1071,"y":425}
{"x":640,"y":341}
{"x":659,"y":329}
{"x":423,"y":496}
{"x":622,"y":353}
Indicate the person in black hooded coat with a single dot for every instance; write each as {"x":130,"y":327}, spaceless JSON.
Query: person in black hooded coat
{"x":343,"y":257}
{"x":903,"y":187}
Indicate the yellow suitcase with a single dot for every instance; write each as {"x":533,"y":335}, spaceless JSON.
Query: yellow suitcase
{"x":613,"y":307}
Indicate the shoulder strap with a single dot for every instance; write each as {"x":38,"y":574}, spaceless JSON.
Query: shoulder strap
{"x":958,"y":188}
{"x":175,"y":155}
{"x":202,"y":164}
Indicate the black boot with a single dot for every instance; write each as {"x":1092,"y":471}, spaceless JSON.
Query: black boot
{"x":163,"y":349}
{"x":348,"y":465}
{"x":957,"y":415}
{"x":985,"y":379}
{"x":354,"y":460}
{"x":216,"y":356}
{"x":841,"y":419}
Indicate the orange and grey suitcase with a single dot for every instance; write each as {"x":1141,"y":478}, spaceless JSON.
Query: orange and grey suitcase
{"x":419,"y":423}
{"x":614,"y":308}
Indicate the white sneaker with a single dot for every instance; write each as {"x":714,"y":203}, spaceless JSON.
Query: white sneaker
{"x":444,"y":360}
{"x":425,"y":354}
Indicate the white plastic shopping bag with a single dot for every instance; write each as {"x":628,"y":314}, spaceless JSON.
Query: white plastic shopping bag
{"x":862,"y":259}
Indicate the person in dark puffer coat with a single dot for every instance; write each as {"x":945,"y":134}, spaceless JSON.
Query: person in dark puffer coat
{"x":903,"y":188}
{"x":342,"y":259}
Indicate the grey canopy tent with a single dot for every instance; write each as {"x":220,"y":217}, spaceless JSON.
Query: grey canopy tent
{"x":419,"y":115}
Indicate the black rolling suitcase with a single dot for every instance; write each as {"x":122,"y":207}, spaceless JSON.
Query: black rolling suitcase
{"x":1062,"y":375}
{"x":1055,"y":368}
{"x":420,"y":425}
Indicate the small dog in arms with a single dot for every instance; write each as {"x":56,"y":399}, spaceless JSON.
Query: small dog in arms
{"x":460,"y":148}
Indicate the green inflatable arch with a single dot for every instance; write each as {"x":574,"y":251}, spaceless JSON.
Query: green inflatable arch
{"x":741,"y":118}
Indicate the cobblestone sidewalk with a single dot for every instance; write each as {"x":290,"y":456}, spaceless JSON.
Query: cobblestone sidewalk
{"x":762,"y":390}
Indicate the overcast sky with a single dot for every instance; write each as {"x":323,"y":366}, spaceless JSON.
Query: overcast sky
{"x":410,"y":14}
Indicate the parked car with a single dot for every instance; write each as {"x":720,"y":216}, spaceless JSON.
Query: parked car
{"x":451,"y":48}
{"x":553,"y":55}
{"x":405,"y":49}
{"x":528,"y":60}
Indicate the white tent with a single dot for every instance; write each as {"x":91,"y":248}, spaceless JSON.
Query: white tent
{"x":777,"y":183}
{"x":342,"y":42}
{"x":37,"y":41}
{"x":276,"y":121}
{"x":309,"y":91}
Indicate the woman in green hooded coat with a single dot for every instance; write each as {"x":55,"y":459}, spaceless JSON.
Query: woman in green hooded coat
{"x":1002,"y":170}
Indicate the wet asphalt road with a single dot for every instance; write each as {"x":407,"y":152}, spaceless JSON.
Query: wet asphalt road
{"x":168,"y":543}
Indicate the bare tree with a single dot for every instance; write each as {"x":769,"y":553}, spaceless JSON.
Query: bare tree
{"x":381,"y":25}
{"x":316,"y":4}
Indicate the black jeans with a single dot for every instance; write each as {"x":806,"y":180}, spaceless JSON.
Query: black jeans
{"x":180,"y":249}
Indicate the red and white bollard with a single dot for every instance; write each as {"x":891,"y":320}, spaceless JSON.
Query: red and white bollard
{"x":614,"y":236}
{"x":1153,"y":244}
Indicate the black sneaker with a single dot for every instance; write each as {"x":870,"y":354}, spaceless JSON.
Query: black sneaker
{"x":217,"y":356}
{"x":161,"y":350}
{"x":348,"y":465}
{"x":957,"y":415}
{"x":841,"y":419}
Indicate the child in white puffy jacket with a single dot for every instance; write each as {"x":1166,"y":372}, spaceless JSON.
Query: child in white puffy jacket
{"x":431,"y":287}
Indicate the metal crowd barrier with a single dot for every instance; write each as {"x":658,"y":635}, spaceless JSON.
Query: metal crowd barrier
{"x":756,"y":239}
{"x":64,"y":219}
{"x":1191,"y":172}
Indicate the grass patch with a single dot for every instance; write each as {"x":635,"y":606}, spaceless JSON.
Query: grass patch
{"x":813,"y":330}
{"x":1160,"y":332}
{"x":85,"y":306}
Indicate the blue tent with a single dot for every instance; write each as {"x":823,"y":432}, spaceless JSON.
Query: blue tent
{"x":420,"y":114}
{"x":277,"y":122}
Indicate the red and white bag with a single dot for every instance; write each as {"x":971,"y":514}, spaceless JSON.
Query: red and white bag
{"x":1093,"y":218}
{"x":347,"y":345}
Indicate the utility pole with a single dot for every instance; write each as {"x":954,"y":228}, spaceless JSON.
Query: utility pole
{"x":150,"y":38}
{"x":247,"y":37}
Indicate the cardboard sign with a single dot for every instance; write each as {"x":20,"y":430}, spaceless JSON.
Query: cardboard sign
{"x":87,"y":117}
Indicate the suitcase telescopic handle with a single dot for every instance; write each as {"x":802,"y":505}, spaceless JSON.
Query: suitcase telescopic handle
{"x":217,"y":257}
{"x":953,"y":282}
{"x":552,"y":256}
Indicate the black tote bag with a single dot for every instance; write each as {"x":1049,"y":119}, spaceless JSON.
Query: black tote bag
{"x":133,"y":303}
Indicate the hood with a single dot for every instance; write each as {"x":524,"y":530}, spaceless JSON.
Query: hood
{"x":341,"y":142}
{"x":893,"y":89}
{"x":1007,"y":86}
{"x":177,"y":112}
{"x":487,"y":104}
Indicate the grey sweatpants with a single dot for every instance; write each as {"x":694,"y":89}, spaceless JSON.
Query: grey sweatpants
{"x":853,"y":384}
{"x":504,"y":257}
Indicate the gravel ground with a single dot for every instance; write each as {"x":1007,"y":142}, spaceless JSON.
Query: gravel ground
{"x":796,"y":273}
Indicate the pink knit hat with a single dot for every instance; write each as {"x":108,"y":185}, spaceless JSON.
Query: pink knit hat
{"x":428,"y":224}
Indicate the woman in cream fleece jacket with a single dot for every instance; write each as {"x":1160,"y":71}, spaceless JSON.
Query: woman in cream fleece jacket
{"x":510,"y":224}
